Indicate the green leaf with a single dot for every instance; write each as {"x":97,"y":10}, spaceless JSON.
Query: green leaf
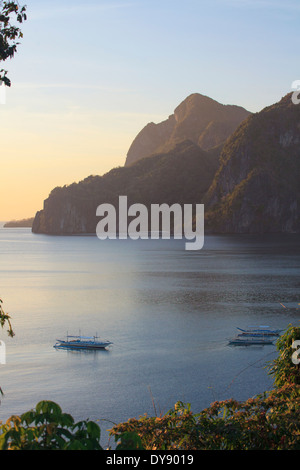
{"x":130,"y":441}
{"x":93,"y":430}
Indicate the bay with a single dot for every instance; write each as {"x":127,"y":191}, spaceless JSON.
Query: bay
{"x":168,"y":312}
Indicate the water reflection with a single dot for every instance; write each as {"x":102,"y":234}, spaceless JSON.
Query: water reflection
{"x":168,"y":312}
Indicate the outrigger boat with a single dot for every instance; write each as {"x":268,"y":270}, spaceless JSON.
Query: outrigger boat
{"x":82,"y":342}
{"x":259,"y":331}
{"x":258,"y":335}
{"x":252,"y":340}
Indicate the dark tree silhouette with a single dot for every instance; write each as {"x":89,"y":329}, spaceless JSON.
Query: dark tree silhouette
{"x":11,"y":14}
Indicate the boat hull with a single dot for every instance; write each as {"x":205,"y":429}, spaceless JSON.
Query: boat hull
{"x":79,"y":345}
{"x":260,"y":332}
{"x":248,"y":341}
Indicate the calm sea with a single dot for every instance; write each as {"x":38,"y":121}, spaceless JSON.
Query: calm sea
{"x":169,"y":313}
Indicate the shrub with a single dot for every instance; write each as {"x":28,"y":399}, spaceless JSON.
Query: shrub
{"x":48,"y":428}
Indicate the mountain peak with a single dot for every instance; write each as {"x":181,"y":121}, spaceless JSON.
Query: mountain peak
{"x":198,"y":118}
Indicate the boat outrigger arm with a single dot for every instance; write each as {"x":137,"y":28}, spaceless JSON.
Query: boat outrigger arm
{"x":262,"y":330}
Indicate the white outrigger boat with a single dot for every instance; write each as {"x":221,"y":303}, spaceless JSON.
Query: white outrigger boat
{"x":251,"y":340}
{"x":82,"y":342}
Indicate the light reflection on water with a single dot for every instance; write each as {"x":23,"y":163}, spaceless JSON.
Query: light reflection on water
{"x":168,"y":312}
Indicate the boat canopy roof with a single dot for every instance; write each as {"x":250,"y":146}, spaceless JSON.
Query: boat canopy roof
{"x":82,"y":337}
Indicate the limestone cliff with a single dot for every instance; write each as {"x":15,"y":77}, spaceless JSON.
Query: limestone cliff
{"x":182,"y":175}
{"x":198,"y":118}
{"x":256,"y":188}
{"x":252,"y":187}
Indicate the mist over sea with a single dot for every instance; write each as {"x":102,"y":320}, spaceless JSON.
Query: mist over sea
{"x":169,"y":313}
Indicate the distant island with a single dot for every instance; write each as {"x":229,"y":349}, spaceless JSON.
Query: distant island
{"x":23,"y":223}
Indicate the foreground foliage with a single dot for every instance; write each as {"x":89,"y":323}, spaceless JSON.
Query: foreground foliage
{"x":48,"y":428}
{"x":5,"y":320}
{"x":11,"y":13}
{"x":270,"y":421}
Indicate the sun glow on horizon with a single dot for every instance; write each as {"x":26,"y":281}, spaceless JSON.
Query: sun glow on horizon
{"x":88,"y":77}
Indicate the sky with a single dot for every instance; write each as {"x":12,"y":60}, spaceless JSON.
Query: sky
{"x":89,"y":75}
